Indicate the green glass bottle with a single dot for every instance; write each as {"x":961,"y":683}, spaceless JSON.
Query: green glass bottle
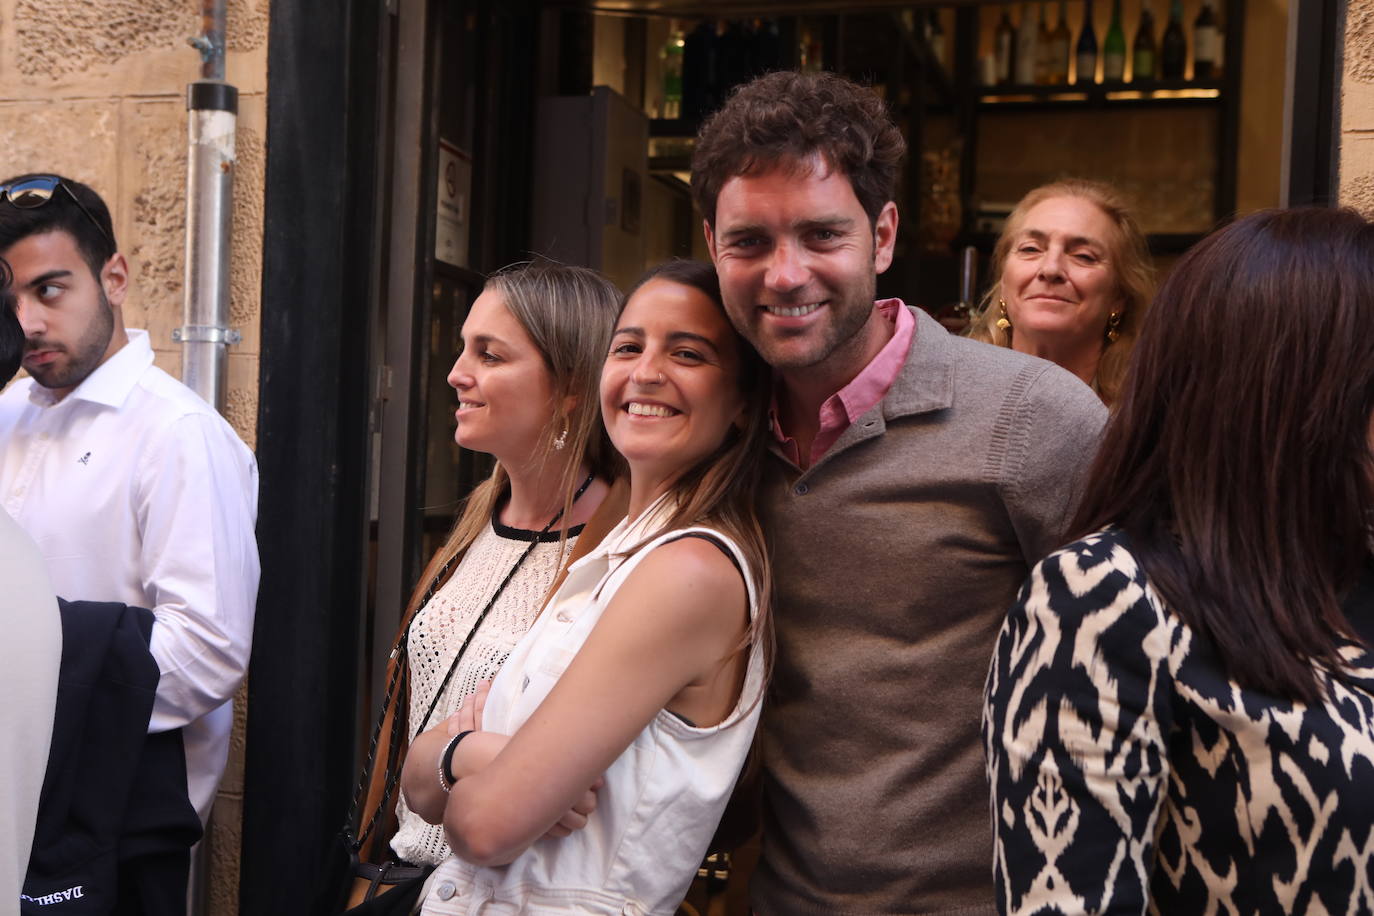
{"x":1114,"y":48}
{"x":1145,"y":54}
{"x":1173,"y":47}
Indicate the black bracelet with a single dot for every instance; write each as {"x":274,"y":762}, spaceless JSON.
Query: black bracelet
{"x":446,"y":777}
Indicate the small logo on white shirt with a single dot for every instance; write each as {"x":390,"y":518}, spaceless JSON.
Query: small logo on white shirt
{"x":84,"y":459}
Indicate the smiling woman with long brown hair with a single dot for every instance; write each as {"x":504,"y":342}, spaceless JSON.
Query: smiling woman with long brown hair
{"x":1180,"y":712}
{"x":627,"y":711}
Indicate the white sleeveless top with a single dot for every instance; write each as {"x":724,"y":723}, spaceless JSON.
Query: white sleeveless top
{"x":663,"y":796}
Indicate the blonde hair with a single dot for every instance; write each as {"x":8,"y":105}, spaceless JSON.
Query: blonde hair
{"x":1129,"y":260}
{"x":569,"y":314}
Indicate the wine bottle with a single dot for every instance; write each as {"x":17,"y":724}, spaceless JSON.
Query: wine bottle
{"x":1005,"y":47}
{"x":1143,"y":55}
{"x":1206,"y":43}
{"x":1114,"y":48}
{"x":1044,"y":49}
{"x":1027,"y":49}
{"x":671,"y":55}
{"x":1086,"y":55}
{"x":935,"y":37}
{"x":700,"y":75}
{"x":1061,"y":40}
{"x":1173,"y":47}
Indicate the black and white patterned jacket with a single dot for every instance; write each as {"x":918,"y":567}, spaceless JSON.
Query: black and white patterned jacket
{"x":1130,"y":775}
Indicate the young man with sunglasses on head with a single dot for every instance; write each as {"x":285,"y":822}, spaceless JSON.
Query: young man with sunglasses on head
{"x":29,"y":656}
{"x":135,"y":490}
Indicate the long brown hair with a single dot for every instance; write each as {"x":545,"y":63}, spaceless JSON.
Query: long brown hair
{"x":569,"y":314}
{"x":1129,"y":258}
{"x":720,"y":489}
{"x":1238,"y":461}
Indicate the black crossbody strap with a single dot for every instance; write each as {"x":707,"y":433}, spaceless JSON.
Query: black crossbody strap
{"x":400,"y":653}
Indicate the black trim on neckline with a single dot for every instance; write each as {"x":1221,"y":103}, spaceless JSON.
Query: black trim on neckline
{"x":526,"y":534}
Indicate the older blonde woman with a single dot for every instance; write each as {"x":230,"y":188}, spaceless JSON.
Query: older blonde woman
{"x":1073,"y":282}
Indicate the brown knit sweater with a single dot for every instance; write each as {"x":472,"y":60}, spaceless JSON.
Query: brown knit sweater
{"x":895,"y":558}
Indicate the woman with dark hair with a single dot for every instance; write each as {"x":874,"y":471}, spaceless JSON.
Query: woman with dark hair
{"x":1180,"y":711}
{"x":639,"y":686}
{"x":1073,"y":282}
{"x":11,"y":333}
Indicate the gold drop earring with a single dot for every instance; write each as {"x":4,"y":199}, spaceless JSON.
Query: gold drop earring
{"x":1003,"y":323}
{"x":1113,"y":327}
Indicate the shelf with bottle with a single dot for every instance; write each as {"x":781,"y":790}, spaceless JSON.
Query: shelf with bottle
{"x":1028,"y":54}
{"x":702,"y":61}
{"x":1144,"y":93}
{"x":924,"y":38}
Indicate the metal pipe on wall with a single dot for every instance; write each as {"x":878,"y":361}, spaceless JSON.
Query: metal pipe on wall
{"x":212,"y":121}
{"x":212,"y":106}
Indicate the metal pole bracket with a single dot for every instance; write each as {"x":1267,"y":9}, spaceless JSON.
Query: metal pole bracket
{"x":199,"y":333}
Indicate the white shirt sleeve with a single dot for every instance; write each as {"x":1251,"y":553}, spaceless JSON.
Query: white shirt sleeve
{"x":196,"y":504}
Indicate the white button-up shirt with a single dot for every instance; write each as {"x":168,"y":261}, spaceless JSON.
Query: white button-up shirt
{"x":136,"y":491}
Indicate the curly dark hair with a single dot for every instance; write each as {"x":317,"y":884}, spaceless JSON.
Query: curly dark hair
{"x":787,"y":117}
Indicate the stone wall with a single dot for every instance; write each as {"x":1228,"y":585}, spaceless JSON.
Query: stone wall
{"x":97,"y":91}
{"x":1357,"y":109}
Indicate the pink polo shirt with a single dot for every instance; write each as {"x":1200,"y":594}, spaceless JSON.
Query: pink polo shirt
{"x":863,"y":391}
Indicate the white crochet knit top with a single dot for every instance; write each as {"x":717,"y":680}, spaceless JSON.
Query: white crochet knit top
{"x":438,"y":631}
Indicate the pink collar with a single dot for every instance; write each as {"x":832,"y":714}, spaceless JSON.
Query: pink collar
{"x":862,"y":393}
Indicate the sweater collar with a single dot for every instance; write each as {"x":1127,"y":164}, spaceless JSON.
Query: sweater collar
{"x":926,"y":382}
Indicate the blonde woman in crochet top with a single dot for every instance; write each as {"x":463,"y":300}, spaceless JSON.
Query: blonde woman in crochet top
{"x":526,"y":383}
{"x":591,"y":777}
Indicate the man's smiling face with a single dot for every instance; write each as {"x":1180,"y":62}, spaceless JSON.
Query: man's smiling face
{"x":798,"y":261}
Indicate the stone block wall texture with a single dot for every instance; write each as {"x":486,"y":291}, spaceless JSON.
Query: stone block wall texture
{"x":1357,"y":109}
{"x":97,"y":91}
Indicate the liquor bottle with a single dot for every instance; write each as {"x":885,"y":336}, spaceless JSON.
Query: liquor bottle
{"x":1027,"y":50}
{"x":671,"y":55}
{"x":734,"y":57}
{"x":700,"y":76}
{"x":1004,"y":45}
{"x":1061,"y":41}
{"x":809,"y":51}
{"x":1086,"y":55}
{"x":1206,"y":43}
{"x":767,"y":47}
{"x":1143,"y":55}
{"x":935,"y":37}
{"x":1114,"y":48}
{"x":1173,"y":47}
{"x":1044,"y":49}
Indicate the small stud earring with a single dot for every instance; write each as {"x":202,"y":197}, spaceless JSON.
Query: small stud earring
{"x":1003,"y":323}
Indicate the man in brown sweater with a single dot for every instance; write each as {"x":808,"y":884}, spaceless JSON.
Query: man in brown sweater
{"x":916,"y":477}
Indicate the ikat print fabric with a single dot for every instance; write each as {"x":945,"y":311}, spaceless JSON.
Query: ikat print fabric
{"x":1130,"y":775}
